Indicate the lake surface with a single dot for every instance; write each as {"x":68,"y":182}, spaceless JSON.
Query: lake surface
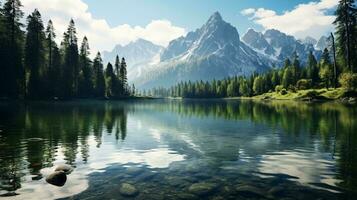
{"x":170,"y":149}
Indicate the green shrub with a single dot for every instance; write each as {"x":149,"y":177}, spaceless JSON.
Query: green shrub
{"x":312,"y":93}
{"x":278,"y":88}
{"x":304,"y":84}
{"x":283,"y":92}
{"x":348,"y":81}
{"x":292,"y":88}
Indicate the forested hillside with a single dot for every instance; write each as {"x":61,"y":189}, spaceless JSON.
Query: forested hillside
{"x":33,"y":66}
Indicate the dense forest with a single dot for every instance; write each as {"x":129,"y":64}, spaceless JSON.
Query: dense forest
{"x":336,"y":68}
{"x":33,"y":66}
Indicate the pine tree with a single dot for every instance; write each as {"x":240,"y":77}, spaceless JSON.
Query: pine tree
{"x":133,"y":90}
{"x":288,"y":77}
{"x":110,"y":81}
{"x":71,"y":68}
{"x":346,"y":31}
{"x":117,"y":65}
{"x":51,"y":45}
{"x":53,"y":63}
{"x":312,"y":70}
{"x":287,"y":63}
{"x":326,"y":71}
{"x":34,"y":56}
{"x":123,"y":77}
{"x":2,"y":52}
{"x":12,"y":82}
{"x":86,"y":72}
{"x":99,"y":82}
{"x":296,"y":68}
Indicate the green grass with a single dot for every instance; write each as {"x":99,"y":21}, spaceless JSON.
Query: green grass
{"x":311,"y":94}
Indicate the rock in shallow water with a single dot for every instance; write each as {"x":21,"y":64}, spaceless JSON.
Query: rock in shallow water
{"x":202,"y":188}
{"x":251,"y":191}
{"x":128,"y":190}
{"x":65,"y":168}
{"x":58,"y":178}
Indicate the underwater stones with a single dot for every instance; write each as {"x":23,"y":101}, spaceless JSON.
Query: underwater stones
{"x":176,"y":181}
{"x":250,"y":191}
{"x":128,"y":190}
{"x":203,"y":188}
{"x":184,"y":196}
{"x":65,"y":168}
{"x":134,"y":170}
{"x":276,"y":191}
{"x":145,"y":176}
{"x":57,"y":178}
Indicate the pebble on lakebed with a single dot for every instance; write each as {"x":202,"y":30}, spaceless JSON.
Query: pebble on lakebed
{"x":202,"y":188}
{"x":57,"y":178}
{"x":128,"y":190}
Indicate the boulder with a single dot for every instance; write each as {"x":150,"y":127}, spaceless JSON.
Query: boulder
{"x":250,"y":191}
{"x":202,"y":188}
{"x":65,"y":168}
{"x":58,"y":178}
{"x":128,"y":190}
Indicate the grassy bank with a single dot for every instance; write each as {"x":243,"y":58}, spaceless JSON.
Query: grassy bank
{"x":311,"y":95}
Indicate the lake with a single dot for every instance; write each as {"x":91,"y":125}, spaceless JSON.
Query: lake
{"x":172,"y":149}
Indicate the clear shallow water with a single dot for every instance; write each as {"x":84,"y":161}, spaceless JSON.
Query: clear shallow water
{"x":180,"y":150}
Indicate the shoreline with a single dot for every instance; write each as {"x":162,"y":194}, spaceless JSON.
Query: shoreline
{"x":338,"y":95}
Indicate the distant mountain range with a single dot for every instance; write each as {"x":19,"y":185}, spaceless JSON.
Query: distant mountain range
{"x":137,"y":54}
{"x":214,"y":51}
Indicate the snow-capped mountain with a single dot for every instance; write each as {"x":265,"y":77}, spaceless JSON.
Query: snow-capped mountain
{"x":140,"y":52}
{"x":257,"y":41}
{"x":309,"y":40}
{"x":323,"y":43}
{"x":213,"y":51}
{"x":280,"y":46}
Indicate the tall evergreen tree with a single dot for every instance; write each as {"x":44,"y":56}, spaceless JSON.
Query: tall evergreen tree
{"x":326,"y":70}
{"x":296,"y":68}
{"x":287,"y":63}
{"x":110,"y":81}
{"x":117,"y":65}
{"x":86,"y":72}
{"x":346,"y":31}
{"x":53,"y":61}
{"x":13,"y":80}
{"x":2,"y":52}
{"x":71,"y":68}
{"x":99,"y":82}
{"x":312,"y":70}
{"x":123,"y":77}
{"x":34,"y":56}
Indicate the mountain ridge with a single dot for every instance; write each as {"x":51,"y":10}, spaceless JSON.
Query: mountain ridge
{"x":213,"y":51}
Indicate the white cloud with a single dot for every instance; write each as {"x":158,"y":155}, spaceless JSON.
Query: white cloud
{"x":309,"y":19}
{"x":101,"y":36}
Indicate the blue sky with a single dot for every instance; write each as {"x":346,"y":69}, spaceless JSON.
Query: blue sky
{"x":110,"y":22}
{"x":190,"y":14}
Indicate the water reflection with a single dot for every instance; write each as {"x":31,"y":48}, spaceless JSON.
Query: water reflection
{"x":313,"y":145}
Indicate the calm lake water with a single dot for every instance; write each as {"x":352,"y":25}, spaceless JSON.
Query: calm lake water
{"x":170,"y":149}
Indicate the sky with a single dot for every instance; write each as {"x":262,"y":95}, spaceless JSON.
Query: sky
{"x":107,"y":23}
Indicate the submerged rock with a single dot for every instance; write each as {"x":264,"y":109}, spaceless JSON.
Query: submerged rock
{"x":276,"y":191}
{"x":128,"y":190}
{"x":134,"y":170}
{"x":58,"y":178}
{"x":202,"y":188}
{"x":251,"y":191}
{"x":65,"y":168}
